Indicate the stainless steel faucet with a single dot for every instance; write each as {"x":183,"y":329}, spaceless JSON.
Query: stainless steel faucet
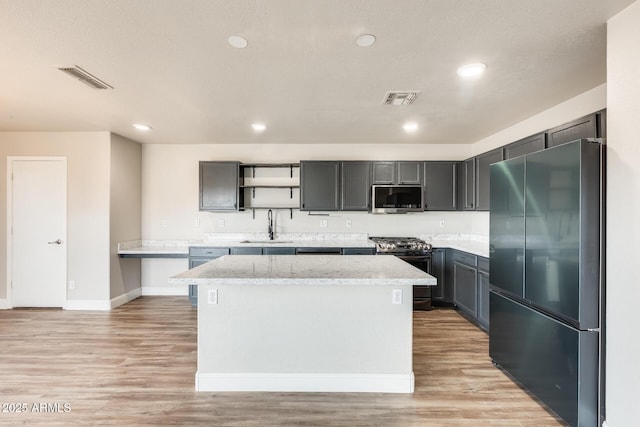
{"x":270,"y":220}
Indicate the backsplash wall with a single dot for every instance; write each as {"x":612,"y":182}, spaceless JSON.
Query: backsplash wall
{"x":170,"y":192}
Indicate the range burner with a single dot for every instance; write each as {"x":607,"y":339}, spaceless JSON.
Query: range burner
{"x":401,"y":246}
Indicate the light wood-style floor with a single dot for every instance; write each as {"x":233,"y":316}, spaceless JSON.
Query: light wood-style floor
{"x":136,"y":364}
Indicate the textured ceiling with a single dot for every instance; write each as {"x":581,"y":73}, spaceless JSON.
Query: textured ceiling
{"x":302,"y":73}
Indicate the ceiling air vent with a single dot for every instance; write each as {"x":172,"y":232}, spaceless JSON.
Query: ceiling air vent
{"x":86,"y":78}
{"x":397,"y":97}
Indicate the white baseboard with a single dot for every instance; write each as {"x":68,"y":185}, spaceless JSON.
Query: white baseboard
{"x":165,"y":290}
{"x":95,"y":305}
{"x":304,"y":382}
{"x":4,"y":304}
{"x":125,"y":298}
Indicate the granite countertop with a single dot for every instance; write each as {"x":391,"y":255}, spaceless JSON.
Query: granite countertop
{"x":472,"y":243}
{"x":304,"y":270}
{"x":230,"y":240}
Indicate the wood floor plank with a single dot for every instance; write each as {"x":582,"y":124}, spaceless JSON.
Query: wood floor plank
{"x":136,"y":365}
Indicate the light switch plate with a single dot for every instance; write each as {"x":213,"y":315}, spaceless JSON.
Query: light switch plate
{"x":212,"y":296}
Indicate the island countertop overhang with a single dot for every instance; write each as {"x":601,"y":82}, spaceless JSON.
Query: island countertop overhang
{"x":305,"y":270}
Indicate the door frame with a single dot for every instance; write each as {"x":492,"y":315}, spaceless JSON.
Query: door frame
{"x":10,"y":161}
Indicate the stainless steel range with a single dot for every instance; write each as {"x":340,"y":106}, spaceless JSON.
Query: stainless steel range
{"x":416,"y":252}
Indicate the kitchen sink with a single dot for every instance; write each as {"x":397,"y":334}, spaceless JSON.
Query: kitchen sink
{"x":262,"y":242}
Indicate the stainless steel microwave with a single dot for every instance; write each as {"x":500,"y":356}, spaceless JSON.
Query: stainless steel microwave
{"x":396,"y":198}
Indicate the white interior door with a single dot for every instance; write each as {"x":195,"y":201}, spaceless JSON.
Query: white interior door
{"x":38,"y":240}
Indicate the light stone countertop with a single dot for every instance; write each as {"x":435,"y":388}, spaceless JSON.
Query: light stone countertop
{"x":476,"y":244}
{"x":472,"y":243}
{"x":304,"y":270}
{"x":230,"y":240}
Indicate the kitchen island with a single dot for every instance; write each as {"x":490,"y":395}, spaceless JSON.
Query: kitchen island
{"x":317,"y":323}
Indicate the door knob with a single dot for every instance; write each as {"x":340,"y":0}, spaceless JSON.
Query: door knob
{"x":56,"y":242}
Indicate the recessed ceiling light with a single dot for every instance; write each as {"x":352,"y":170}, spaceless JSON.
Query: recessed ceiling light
{"x":410,"y":127}
{"x":472,"y":70}
{"x":238,"y":42}
{"x":142,"y":126}
{"x":365,"y":40}
{"x":258,"y":127}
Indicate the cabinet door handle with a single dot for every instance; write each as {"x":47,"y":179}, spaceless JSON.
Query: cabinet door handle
{"x":55,"y":242}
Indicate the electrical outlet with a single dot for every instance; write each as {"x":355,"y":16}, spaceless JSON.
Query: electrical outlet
{"x":164,"y":223}
{"x":72,"y":284}
{"x":396,"y":296}
{"x":197,"y":223}
{"x":221,"y":223}
{"x":347,"y":223}
{"x":323,"y":223}
{"x":212,"y":297}
{"x":442,"y":223}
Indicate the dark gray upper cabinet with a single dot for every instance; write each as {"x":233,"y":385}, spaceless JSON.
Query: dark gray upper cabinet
{"x":356,"y":186}
{"x":219,"y":186}
{"x":440,"y":186}
{"x":409,"y":173}
{"x":319,"y":186}
{"x":483,"y":177}
{"x":527,"y":145}
{"x":383,"y":173}
{"x":466,"y":187}
{"x":584,"y":127}
{"x":400,"y":173}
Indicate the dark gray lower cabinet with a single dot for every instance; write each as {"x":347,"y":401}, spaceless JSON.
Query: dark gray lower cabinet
{"x":198,"y":256}
{"x":358,"y":251}
{"x":278,"y":251}
{"x":470,"y":276}
{"x":483,"y":292}
{"x":246,"y":251}
{"x":438,"y":263}
{"x":465,"y":293}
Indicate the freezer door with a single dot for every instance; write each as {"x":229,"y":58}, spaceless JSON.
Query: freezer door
{"x":507,"y":233}
{"x":562,"y":224}
{"x":557,"y":363}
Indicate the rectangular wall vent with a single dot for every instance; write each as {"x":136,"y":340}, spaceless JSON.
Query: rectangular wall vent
{"x":85,"y":77}
{"x":400,"y":97}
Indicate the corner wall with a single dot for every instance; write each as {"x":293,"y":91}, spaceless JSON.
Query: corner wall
{"x":125,"y":213}
{"x":588,"y":102}
{"x":623,"y":212}
{"x":87,"y":156}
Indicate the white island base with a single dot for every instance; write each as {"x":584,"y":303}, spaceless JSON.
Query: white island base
{"x":305,"y":323}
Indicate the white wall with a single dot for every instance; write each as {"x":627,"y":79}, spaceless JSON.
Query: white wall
{"x":586,"y":103}
{"x":623,"y":212}
{"x":87,"y":156}
{"x":125,"y":211}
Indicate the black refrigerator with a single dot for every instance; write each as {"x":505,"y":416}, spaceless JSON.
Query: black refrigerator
{"x":546,"y":275}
